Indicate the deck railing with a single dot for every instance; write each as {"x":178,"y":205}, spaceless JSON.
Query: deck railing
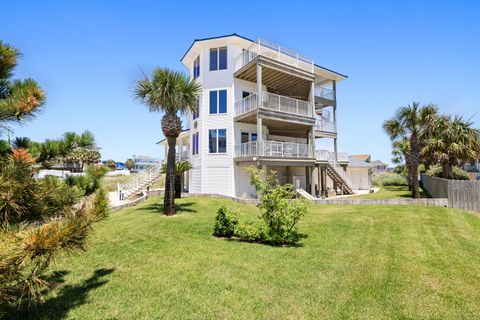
{"x":325,"y":125}
{"x":325,"y":155}
{"x":246,"y":104}
{"x":273,"y":51}
{"x":274,"y":102}
{"x":277,"y":149}
{"x":324,"y":93}
{"x":180,"y":156}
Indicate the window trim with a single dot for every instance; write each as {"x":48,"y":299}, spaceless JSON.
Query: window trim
{"x":217,"y":50}
{"x":196,"y":67}
{"x":217,"y":131}
{"x":217,"y":109}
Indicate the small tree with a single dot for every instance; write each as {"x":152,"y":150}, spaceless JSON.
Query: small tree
{"x":130,"y":164}
{"x":280,"y":211}
{"x":110,"y":164}
{"x":180,"y":169}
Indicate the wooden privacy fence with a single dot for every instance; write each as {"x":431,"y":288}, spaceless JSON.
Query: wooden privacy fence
{"x":461,"y":194}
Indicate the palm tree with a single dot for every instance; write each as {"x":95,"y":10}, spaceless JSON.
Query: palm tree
{"x":453,"y":143}
{"x":130,"y":164}
{"x":169,"y":92}
{"x":401,"y":154}
{"x":110,"y":164}
{"x":412,"y":122}
{"x":180,"y":169}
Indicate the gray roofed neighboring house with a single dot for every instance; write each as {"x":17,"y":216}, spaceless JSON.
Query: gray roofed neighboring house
{"x":379,"y":166}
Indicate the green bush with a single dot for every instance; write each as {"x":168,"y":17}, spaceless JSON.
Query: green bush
{"x":249,"y":232}
{"x":225,"y":223}
{"x":389,"y":179}
{"x":458,"y":174}
{"x":280,"y":211}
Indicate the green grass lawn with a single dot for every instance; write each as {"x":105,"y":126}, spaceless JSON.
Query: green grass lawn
{"x":364,"y":261}
{"x":390,"y":192}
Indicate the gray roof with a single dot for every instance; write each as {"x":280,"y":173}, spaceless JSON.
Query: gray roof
{"x":354,"y":162}
{"x":377,"y":163}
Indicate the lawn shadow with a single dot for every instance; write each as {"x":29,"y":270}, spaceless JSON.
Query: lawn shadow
{"x":297,"y":244}
{"x":179,"y":207}
{"x":69,"y":297}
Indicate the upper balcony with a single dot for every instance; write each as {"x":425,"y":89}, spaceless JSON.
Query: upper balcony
{"x":274,"y":106}
{"x":325,"y":97}
{"x":274,"y":150}
{"x":325,"y":128}
{"x":279,"y":70}
{"x":274,"y":52}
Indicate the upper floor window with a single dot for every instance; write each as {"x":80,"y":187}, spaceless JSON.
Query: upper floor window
{"x":218,"y":58}
{"x":218,"y":101}
{"x":196,"y":113}
{"x":248,"y":137}
{"x":195,"y":145}
{"x":196,"y":68}
{"x":217,"y":141}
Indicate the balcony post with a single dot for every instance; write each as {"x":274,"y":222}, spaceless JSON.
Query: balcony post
{"x":259,"y":102}
{"x":334,"y":87}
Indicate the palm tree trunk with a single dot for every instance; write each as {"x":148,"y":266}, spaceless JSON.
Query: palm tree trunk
{"x":169,"y":198}
{"x":178,"y":186}
{"x":414,"y":166}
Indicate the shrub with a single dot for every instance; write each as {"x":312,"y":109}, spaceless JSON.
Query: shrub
{"x":249,"y":232}
{"x":225,"y":223}
{"x":280,"y":211}
{"x":458,"y":174}
{"x":389,"y":179}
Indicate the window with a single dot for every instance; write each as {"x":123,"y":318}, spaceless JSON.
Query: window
{"x":248,"y":137}
{"x":245,"y":137}
{"x":196,"y":68}
{"x":196,"y":113}
{"x":217,"y":141}
{"x":218,"y":101}
{"x":195,"y":146}
{"x":218,"y":58}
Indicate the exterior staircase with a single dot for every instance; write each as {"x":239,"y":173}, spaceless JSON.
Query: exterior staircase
{"x":339,"y":176}
{"x":140,"y":182}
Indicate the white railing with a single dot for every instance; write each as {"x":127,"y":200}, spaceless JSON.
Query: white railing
{"x":274,"y":102}
{"x":325,"y":125}
{"x":288,"y":105}
{"x":276,"y":149}
{"x":325,"y":155}
{"x":273,"y":51}
{"x":138,"y":181}
{"x":246,"y":104}
{"x":247,"y":149}
{"x":324,"y":93}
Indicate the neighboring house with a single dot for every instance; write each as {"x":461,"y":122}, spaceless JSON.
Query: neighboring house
{"x":360,"y":172}
{"x":362,"y":157}
{"x":261,"y":105}
{"x":378,"y":166}
{"x":142,"y":163}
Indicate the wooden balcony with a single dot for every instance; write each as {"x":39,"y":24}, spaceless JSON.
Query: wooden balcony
{"x":274,"y":150}
{"x":276,"y":106}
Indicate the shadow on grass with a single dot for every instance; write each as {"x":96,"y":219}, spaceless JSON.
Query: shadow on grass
{"x":179,"y":207}
{"x":69,"y":297}
{"x":296,"y":244}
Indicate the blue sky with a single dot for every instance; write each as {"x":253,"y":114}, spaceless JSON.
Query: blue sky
{"x":87,"y":55}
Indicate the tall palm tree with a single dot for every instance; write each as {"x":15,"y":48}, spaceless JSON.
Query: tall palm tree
{"x":169,"y":92}
{"x":401,"y":154}
{"x":412,"y":122}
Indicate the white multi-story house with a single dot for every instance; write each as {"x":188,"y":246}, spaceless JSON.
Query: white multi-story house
{"x":262,"y":105}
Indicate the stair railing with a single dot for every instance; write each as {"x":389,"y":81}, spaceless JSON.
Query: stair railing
{"x":139,"y":180}
{"x":338,"y":168}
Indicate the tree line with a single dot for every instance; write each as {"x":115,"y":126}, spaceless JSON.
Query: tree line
{"x":420,"y":134}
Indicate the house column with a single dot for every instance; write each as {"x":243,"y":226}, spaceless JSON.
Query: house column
{"x":307,"y":178}
{"x":259,"y":103}
{"x":312,"y":181}
{"x":334,"y":87}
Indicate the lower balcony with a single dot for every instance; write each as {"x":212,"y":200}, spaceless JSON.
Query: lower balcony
{"x":329,"y":156}
{"x":275,"y":149}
